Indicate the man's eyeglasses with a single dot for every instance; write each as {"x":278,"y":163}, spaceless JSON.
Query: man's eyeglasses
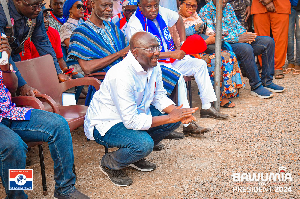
{"x":189,"y":6}
{"x":128,"y":11}
{"x":35,"y":6}
{"x":152,"y":49}
{"x":79,"y":6}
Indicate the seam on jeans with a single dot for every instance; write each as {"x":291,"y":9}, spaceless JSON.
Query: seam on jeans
{"x":266,"y":52}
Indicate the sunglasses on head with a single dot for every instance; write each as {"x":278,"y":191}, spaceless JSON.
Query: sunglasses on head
{"x":79,"y":6}
{"x":130,"y":11}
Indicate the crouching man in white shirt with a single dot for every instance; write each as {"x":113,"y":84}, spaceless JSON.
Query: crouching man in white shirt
{"x":127,"y":110}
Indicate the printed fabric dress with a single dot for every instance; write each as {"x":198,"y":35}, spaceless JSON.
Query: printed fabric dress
{"x":231,"y":77}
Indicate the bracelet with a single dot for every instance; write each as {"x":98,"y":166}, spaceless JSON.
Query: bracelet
{"x":181,"y":43}
{"x":10,"y":70}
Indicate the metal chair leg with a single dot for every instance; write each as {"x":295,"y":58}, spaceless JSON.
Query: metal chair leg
{"x":45,"y":192}
{"x":189,"y":88}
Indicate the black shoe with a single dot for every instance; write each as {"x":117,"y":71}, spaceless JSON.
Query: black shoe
{"x":73,"y":195}
{"x":175,"y":135}
{"x":158,"y":147}
{"x":143,"y":165}
{"x":118,"y":177}
{"x":193,"y":129}
{"x":213,"y":113}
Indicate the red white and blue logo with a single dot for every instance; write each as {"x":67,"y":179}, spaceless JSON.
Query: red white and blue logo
{"x":20,"y":179}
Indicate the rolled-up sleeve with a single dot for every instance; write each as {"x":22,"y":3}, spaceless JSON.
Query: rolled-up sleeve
{"x":124,"y":99}
{"x":161,"y":101}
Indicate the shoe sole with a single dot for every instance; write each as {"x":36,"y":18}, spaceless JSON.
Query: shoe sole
{"x":120,"y":185}
{"x":209,"y":116}
{"x":275,"y":91}
{"x":175,"y":138}
{"x":260,"y":96}
{"x":137,"y":168}
{"x":201,"y":133}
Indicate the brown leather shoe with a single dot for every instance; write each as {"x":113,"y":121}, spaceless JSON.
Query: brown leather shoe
{"x":193,"y":129}
{"x":175,"y":136}
{"x":212,"y":113}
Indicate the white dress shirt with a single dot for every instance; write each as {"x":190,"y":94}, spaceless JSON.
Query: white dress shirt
{"x":134,"y":25}
{"x":125,"y":96}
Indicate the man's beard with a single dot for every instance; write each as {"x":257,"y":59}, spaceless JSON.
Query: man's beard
{"x":102,"y":18}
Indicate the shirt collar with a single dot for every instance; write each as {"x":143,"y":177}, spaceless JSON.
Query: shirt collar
{"x":13,"y":11}
{"x":136,"y":65}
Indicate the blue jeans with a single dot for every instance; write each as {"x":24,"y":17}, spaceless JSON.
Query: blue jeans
{"x":264,"y":46}
{"x":294,"y":21}
{"x":42,"y":126}
{"x":133,"y":144}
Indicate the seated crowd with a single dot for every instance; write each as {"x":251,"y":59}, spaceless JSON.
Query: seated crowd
{"x":145,"y":50}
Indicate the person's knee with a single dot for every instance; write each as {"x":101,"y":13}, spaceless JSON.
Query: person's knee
{"x":14,"y":149}
{"x":269,"y":41}
{"x":144,"y":146}
{"x":200,"y":63}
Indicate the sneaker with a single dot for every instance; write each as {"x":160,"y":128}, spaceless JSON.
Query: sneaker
{"x":262,"y":93}
{"x":73,"y":195}
{"x":143,"y":165}
{"x":274,"y":88}
{"x":118,"y":177}
{"x":158,"y":147}
{"x":175,"y":136}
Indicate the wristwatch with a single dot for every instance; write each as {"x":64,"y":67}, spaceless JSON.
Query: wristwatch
{"x":10,"y":70}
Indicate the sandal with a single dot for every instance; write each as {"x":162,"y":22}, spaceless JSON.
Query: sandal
{"x":279,"y":74}
{"x":288,"y":69}
{"x":295,"y":72}
{"x":227,"y":105}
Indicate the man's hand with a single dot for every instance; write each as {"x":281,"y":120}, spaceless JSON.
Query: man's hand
{"x":270,"y":7}
{"x":247,"y":13}
{"x":4,"y":46}
{"x":177,"y":54}
{"x":211,"y":39}
{"x":124,"y":51}
{"x":247,"y":37}
{"x":265,"y":2}
{"x":63,"y":77}
{"x":185,"y":115}
{"x":27,"y":90}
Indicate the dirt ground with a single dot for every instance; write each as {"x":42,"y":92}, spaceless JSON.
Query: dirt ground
{"x":260,"y":136}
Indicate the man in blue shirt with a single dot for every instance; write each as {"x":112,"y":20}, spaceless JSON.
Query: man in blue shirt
{"x":246,"y":45}
{"x":21,"y":15}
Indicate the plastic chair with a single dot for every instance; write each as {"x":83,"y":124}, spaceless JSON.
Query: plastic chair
{"x":40,"y":73}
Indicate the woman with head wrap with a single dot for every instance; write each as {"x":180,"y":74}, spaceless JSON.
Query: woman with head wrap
{"x":121,"y":19}
{"x":73,"y":11}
